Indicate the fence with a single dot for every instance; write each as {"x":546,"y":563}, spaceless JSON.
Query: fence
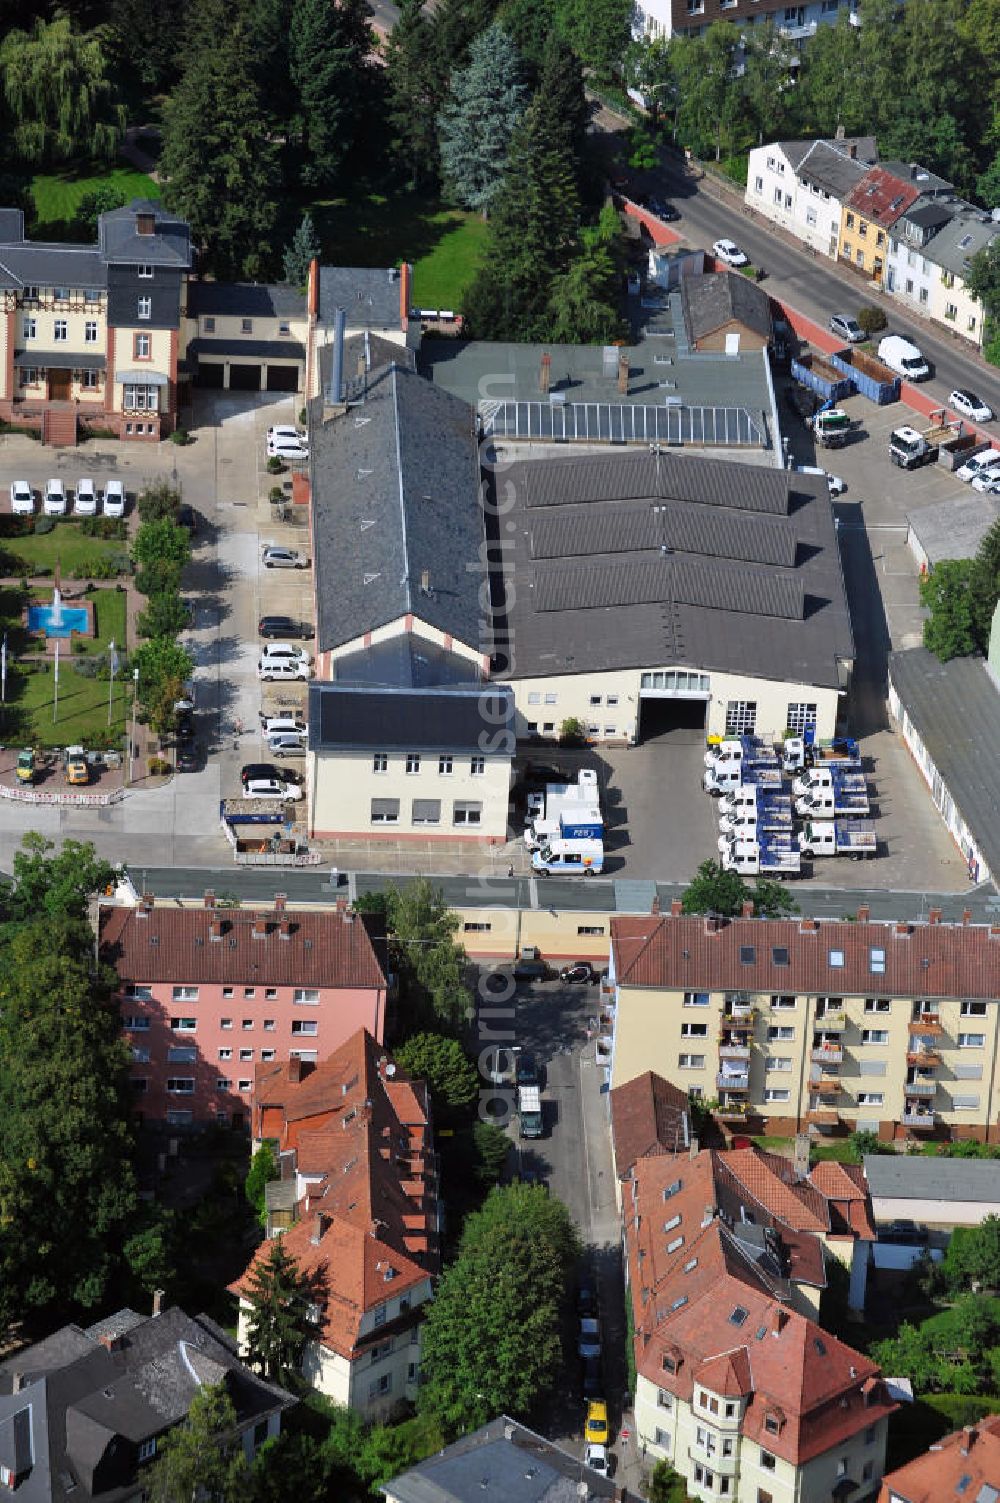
{"x":39,"y":796}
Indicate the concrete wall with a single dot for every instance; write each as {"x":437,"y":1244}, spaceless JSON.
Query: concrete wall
{"x":937,"y":1213}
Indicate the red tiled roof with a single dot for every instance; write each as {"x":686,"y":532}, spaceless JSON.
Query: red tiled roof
{"x":770,"y":1180}
{"x":316,"y":949}
{"x":882,"y":196}
{"x":648,"y":1115}
{"x":727,"y":1374}
{"x":927,"y":960}
{"x":846,"y":1190}
{"x":973,"y":1454}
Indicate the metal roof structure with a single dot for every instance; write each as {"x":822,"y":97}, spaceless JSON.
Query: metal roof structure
{"x":955,"y":709}
{"x":671,"y":527}
{"x":620,"y":423}
{"x":712,"y":482}
{"x":353,"y":717}
{"x":831,"y":166}
{"x":245,"y":300}
{"x":955,"y":527}
{"x":370,"y":296}
{"x":251,"y":349}
{"x":915,"y":1177}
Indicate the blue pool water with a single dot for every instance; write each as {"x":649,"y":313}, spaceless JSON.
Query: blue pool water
{"x":73,"y":618}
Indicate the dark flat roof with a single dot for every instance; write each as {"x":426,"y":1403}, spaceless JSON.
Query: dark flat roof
{"x":369,"y":295}
{"x":245,"y":300}
{"x":259,"y":349}
{"x":76,"y":360}
{"x":345,"y":717}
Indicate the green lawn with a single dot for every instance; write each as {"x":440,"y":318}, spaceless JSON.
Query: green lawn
{"x":26,"y":720}
{"x":66,"y":545}
{"x":57,"y":195}
{"x":443,"y":244}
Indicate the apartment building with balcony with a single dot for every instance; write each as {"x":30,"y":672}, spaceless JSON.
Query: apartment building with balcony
{"x":737,"y":1385}
{"x":792,"y":1025}
{"x":89,"y":337}
{"x":795,"y":23}
{"x":357,"y":1208}
{"x":206,"y":994}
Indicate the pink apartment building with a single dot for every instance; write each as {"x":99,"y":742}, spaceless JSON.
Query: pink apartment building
{"x":209,"y":993}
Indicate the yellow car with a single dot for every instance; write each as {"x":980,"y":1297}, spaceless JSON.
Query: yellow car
{"x":597,"y":1423}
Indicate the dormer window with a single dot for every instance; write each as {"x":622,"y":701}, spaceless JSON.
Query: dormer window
{"x":145,"y":224}
{"x":669,"y":1363}
{"x":147,"y":1449}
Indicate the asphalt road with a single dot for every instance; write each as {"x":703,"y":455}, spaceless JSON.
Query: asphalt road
{"x":812,"y":284}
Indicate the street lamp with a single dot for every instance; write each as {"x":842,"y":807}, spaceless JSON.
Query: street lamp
{"x":131,"y":742}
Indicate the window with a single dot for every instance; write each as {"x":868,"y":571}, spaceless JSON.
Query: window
{"x":178,"y":1118}
{"x":668,"y":1226}
{"x":426,"y":811}
{"x":140,"y":1054}
{"x":923,"y":294}
{"x":244,"y":1085}
{"x":145,"y":307}
{"x":748,"y":954}
{"x":675,"y":1244}
{"x":270,"y":994}
{"x":305,"y":995}
{"x":284,"y":327}
{"x":705,"y":1437}
{"x":385,"y":811}
{"x":90,"y":382}
{"x":664,"y":1400}
{"x":780,"y":1034}
{"x":778,"y":196}
{"x":758,"y":184}
{"x":445,"y":766}
{"x":412,"y":762}
{"x":180,"y":1054}
{"x":139,"y":1084}
{"x":180,"y":1085}
{"x":246,"y":1054}
{"x":597,"y":929}
{"x":141,"y":398}
{"x":727,"y":1445}
{"x":870,"y":1435}
{"x":971,"y":1040}
{"x":841,"y":1466}
{"x":836,"y":959}
{"x":964,"y":1103}
{"x":781,"y":1004}
{"x":973,"y":1009}
{"x":29,"y":328}
{"x":741,"y":717}
{"x":951,"y":311}
{"x":868,"y":1471}
{"x":184,"y":1025}
{"x":380,"y":762}
{"x":141,"y":347}
{"x":874,"y":1035}
{"x":694,"y":1030}
{"x":267,"y":1054}
{"x":145,"y":272}
{"x":847,"y":250}
{"x":610,"y":730}
{"x":246,"y":326}
{"x":305,"y":1026}
{"x":147,"y":1448}
{"x":702,"y":1475}
{"x":877,"y":961}
{"x":185,"y":993}
{"x":801,"y":717}
{"x":247,"y":1025}
{"x":534,"y":698}
{"x":778,"y":1062}
{"x":669,"y":1363}
{"x":673,"y":1189}
{"x":467,"y":814}
{"x":597,"y":699}
{"x":870,"y":1098}
{"x":691,"y":1061}
{"x":225,"y":1022}
{"x":775,"y":1095}
{"x":551,"y":698}
{"x":477,"y":766}
{"x":29,"y":376}
{"x":269,"y":1025}
{"x":611,"y":700}
{"x":225,"y":1053}
{"x":696,"y":999}
{"x":772,"y":1424}
{"x":208,"y":325}
{"x":249,"y":991}
{"x":61,"y":333}
{"x":477,"y":928}
{"x":878,"y":1004}
{"x":767,"y":1460}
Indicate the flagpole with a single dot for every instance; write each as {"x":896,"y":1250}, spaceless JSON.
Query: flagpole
{"x":55,"y":702}
{"x":113,"y":659}
{"x":3,"y":670}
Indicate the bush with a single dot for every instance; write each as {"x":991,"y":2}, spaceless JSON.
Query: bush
{"x":79,"y":648}
{"x":276,"y":493}
{"x":180,"y":436}
{"x":43,"y":525}
{"x":158,"y":767}
{"x":572,"y":732}
{"x":159,"y":499}
{"x":275,"y":466}
{"x":104,"y":527}
{"x":872,"y":320}
{"x":302,"y":417}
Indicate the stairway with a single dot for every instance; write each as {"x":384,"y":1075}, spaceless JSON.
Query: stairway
{"x":59,"y":426}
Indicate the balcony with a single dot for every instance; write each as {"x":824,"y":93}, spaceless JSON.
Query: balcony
{"x":823,"y":1119}
{"x":831,"y":1022}
{"x":732,"y":1109}
{"x":927,"y":1025}
{"x":739,"y":1005}
{"x":918,"y":1117}
{"x":826,"y":1087}
{"x":920,"y":1088}
{"x":797,"y":32}
{"x":923,"y":1059}
{"x":731,"y":1081}
{"x":730,"y":1049}
{"x":827,"y":1054}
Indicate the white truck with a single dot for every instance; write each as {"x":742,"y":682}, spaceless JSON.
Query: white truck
{"x":732,"y":775}
{"x":823,"y":779}
{"x":740,"y":751}
{"x":910,"y":447}
{"x":766,"y":857}
{"x":768,"y":816}
{"x":752,"y":795}
{"x":569,"y":858}
{"x":529,"y":1111}
{"x":832,"y":803}
{"x":797,"y":754}
{"x":549,"y":803}
{"x":583,"y":824}
{"x":842,"y":837}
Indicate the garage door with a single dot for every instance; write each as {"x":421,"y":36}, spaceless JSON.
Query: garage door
{"x":283,"y":378}
{"x":244,"y":377}
{"x":211,"y":376}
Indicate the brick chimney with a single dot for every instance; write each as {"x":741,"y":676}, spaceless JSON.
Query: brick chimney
{"x":341,"y":905}
{"x":676,"y":907}
{"x":285,"y":927}
{"x":623,"y":369}
{"x":902,"y":930}
{"x":654,"y":907}
{"x":145,"y":905}
{"x":966,"y":916}
{"x":864,"y":913}
{"x":209,"y":898}
{"x":215,"y":928}
{"x":809,"y":926}
{"x":545,"y":374}
{"x":260,"y":927}
{"x":157,"y":1302}
{"x":711,"y":925}
{"x":779,"y":1320}
{"x":294,"y":1070}
{"x":280,"y":899}
{"x":111,"y":1343}
{"x":318,"y":1228}
{"x":969,"y":1437}
{"x":748,"y":908}
{"x":934,"y":916}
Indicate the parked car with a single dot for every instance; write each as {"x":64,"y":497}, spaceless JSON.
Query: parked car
{"x":803,"y":403}
{"x":282,"y":725}
{"x":526,"y":1072}
{"x":184,"y":721}
{"x":593,"y":1380}
{"x":187,"y":757}
{"x":663,"y":210}
{"x":294,"y":450}
{"x":596,"y":1458}
{"x":586,"y":1301}
{"x":284,"y":652}
{"x":978,"y":464}
{"x":22,"y":499}
{"x":729,"y":252}
{"x":596,"y":1430}
{"x":281,"y":672}
{"x":529,"y":968}
{"x":969,"y":405}
{"x":114,"y":499}
{"x":580,"y":973}
{"x":287,"y":745}
{"x":272,"y":788}
{"x":275,"y":557}
{"x":903,"y":356}
{"x":284,"y":626}
{"x":847,"y":328}
{"x":54,"y":500}
{"x":288,"y":432}
{"x":834,"y":484}
{"x":588,"y":1342}
{"x":987,"y":481}
{"x":85,"y":504}
{"x":250,"y":771}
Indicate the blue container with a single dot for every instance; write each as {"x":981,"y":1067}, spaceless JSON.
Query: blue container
{"x":830,"y":390}
{"x":881,"y":387}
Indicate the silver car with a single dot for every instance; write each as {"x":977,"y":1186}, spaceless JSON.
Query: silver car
{"x":274,"y":557}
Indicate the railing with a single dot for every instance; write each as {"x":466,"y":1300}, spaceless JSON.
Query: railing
{"x":926,"y":1022}
{"x":728,"y":1050}
{"x":38,"y":796}
{"x":834,"y":1022}
{"x":732,"y":1109}
{"x":927,"y":1059}
{"x":920,"y":1088}
{"x":729,"y":1082}
{"x":827,"y":1054}
{"x":918,"y":1117}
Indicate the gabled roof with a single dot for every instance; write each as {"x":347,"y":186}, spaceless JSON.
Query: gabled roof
{"x":803,"y":957}
{"x":954,"y":246}
{"x":649,"y":1115}
{"x":882,"y":197}
{"x":35,"y":263}
{"x":397,"y":518}
{"x":963,"y":1467}
{"x":121,"y":244}
{"x":837,"y":166}
{"x":407,"y":661}
{"x":906,"y":1177}
{"x":719,"y":298}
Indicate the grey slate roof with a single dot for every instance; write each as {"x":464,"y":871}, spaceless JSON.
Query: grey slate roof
{"x":368,"y":294}
{"x":345,"y":716}
{"x":954,"y":527}
{"x":245,"y":300}
{"x":77,"y":360}
{"x":11,"y":226}
{"x":831,"y":167}
{"x":921,"y":177}
{"x":955,"y":709}
{"x":35,"y":263}
{"x":502,"y":1460}
{"x":954,"y":246}
{"x":928,"y":214}
{"x":719,"y":298}
{"x":904,"y":1177}
{"x":641,"y":560}
{"x":405,"y":661}
{"x":256,"y":349}
{"x":89,"y":1407}
{"x":395,"y":497}
{"x":120,"y":244}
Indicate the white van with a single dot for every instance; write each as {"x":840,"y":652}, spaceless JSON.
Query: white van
{"x":569,"y":858}
{"x":904,"y":358}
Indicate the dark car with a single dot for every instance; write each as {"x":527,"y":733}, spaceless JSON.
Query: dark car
{"x":586,"y":1301}
{"x":253,"y":770}
{"x":593,"y":1382}
{"x":184,"y":724}
{"x":187,"y":757}
{"x":284,"y":626}
{"x":663,"y":210}
{"x":533,"y":970}
{"x":581,"y":972}
{"x":189,"y":518}
{"x":802,"y":402}
{"x":527,"y":1072}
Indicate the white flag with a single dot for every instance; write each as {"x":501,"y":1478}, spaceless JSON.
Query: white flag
{"x":57,"y":661}
{"x":113,"y":658}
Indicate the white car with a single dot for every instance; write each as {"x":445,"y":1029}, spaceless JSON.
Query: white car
{"x":284,"y":652}
{"x":295,"y":450}
{"x":988,"y":481}
{"x":274,"y":557}
{"x":54,"y":500}
{"x":272,"y":726}
{"x":969,"y":405}
{"x":986,"y":459}
{"x":729,"y":252}
{"x":596,"y":1458}
{"x":114,"y":499}
{"x":834,"y":484}
{"x":284,"y":432}
{"x":22,"y":499}
{"x":272,"y":788}
{"x":86,"y":499}
{"x":285,"y":672}
{"x":286,"y":745}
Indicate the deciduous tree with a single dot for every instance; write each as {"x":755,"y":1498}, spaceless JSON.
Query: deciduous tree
{"x":263,"y":1169}
{"x":599,"y":32}
{"x":717,"y":891}
{"x":60,"y":94}
{"x":430,"y":963}
{"x":950,"y":630}
{"x":58,"y":884}
{"x":485,"y":102}
{"x":443,"y":1063}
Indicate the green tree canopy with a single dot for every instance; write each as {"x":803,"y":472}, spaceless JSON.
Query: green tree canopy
{"x":60,"y":96}
{"x":973,"y":1257}
{"x":443,"y":1063}
{"x":950,"y":630}
{"x":162,"y":546}
{"x":492,"y":1337}
{"x":486,"y":100}
{"x":716,"y":891}
{"x":200,"y":1458}
{"x":599,"y":32}
{"x":415,"y":92}
{"x":54,"y":883}
{"x":158,"y":499}
{"x":278,"y":1325}
{"x":263,"y":1169}
{"x":430,"y":964}
{"x":99,"y":201}
{"x":301,"y":252}
{"x":329,"y":48}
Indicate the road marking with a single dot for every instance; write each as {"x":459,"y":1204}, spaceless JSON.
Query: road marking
{"x":586,"y":1151}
